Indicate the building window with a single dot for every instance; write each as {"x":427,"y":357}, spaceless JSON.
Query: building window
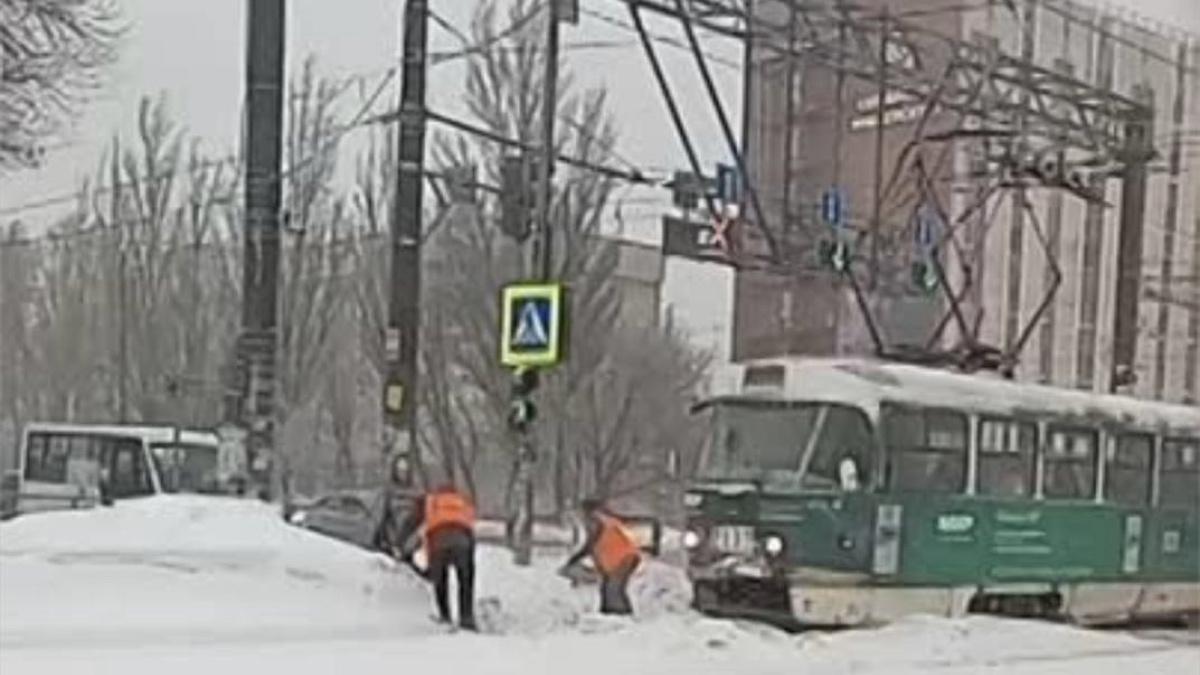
{"x":1127,"y":470}
{"x":927,"y":450}
{"x":1007,"y":457}
{"x":1070,"y":464}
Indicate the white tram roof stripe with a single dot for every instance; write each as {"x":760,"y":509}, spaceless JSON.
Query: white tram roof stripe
{"x":148,"y":434}
{"x":868,"y":383}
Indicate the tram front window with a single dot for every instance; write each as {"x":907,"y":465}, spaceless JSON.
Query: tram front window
{"x":187,"y":468}
{"x":809,"y":445}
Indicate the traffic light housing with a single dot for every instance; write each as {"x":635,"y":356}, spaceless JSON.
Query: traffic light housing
{"x":522,"y":412}
{"x":516,"y":195}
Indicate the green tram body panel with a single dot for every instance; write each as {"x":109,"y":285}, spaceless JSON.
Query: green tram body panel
{"x":958,"y":540}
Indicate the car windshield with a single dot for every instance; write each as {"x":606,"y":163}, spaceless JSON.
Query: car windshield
{"x":187,"y":468}
{"x":801,"y":444}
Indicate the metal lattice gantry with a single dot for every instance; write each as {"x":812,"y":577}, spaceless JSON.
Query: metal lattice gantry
{"x":1026,"y":125}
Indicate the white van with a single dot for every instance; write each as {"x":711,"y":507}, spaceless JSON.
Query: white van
{"x":64,"y":466}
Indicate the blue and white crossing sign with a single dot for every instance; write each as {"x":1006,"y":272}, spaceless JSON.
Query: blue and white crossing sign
{"x":531,"y":325}
{"x":833,"y":207}
{"x":927,"y":227}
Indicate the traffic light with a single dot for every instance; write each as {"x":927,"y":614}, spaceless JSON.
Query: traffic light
{"x":835,"y":254}
{"x":523,"y":412}
{"x":924,"y":276}
{"x":516,"y":196}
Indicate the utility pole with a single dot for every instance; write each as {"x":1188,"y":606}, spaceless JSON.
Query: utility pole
{"x":880,"y":119}
{"x":260,"y":274}
{"x":542,"y":263}
{"x":1137,"y":154}
{"x":404,"y":298}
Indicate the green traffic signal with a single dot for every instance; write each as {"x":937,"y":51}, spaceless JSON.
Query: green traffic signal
{"x":924,"y":276}
{"x":521,"y":414}
{"x":835,"y":254}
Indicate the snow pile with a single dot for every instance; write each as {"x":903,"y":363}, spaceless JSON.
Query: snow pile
{"x":185,"y":566}
{"x":186,"y":585}
{"x":534,"y":601}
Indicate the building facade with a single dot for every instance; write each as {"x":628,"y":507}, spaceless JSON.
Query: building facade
{"x":818,"y":119}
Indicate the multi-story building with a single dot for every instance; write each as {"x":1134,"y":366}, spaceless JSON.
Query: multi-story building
{"x":814,"y":121}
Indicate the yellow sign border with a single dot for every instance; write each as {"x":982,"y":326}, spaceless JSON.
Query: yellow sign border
{"x":552,"y":353}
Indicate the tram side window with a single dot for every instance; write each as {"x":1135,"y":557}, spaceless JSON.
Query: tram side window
{"x":1007,"y":457}
{"x":1070,"y":464}
{"x":1127,"y":473}
{"x":927,"y":449}
{"x":1180,"y":480}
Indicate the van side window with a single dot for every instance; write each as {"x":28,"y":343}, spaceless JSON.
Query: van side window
{"x":128,"y":472}
{"x":1007,"y":457}
{"x":48,"y":458}
{"x":1127,"y":470}
{"x":35,"y":458}
{"x":927,"y":449}
{"x":1070,"y":464}
{"x":1180,"y":478}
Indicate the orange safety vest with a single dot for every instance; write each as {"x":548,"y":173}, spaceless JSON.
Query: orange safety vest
{"x":614,"y":546}
{"x":447,"y":508}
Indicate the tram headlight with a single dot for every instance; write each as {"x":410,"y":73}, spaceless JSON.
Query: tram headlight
{"x":692,"y":539}
{"x":773,"y":545}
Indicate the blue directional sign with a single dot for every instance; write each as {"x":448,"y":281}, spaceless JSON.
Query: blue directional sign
{"x":927,"y":227}
{"x":833,"y":207}
{"x":729,"y":188}
{"x":531,"y":318}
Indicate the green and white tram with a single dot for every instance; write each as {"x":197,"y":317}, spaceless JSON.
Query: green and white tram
{"x":850,"y":492}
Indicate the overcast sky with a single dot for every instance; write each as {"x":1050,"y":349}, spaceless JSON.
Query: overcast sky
{"x":192,"y":50}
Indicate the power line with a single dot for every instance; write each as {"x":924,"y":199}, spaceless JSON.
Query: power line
{"x":470,"y":47}
{"x":654,"y":37}
{"x":359,"y":119}
{"x":635,"y":176}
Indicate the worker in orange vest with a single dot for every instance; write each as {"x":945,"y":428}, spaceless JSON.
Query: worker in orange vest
{"x":446,"y":518}
{"x":615,"y":553}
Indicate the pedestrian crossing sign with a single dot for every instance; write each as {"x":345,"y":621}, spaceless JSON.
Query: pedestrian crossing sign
{"x":531,"y":325}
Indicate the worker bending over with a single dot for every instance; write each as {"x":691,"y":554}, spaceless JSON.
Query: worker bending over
{"x":446,"y":518}
{"x":615,"y":553}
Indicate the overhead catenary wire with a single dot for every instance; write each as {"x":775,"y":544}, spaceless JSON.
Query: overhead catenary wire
{"x":359,"y":119}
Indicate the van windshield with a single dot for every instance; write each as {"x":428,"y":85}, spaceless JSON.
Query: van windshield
{"x":790,"y":444}
{"x":187,"y":468}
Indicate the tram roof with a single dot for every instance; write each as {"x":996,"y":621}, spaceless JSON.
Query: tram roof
{"x":867,"y":382}
{"x":148,"y":434}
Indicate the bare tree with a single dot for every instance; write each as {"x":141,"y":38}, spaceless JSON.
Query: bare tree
{"x":619,"y":398}
{"x":17,"y":294}
{"x":51,"y":54}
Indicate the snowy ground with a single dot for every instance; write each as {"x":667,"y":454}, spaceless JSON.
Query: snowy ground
{"x":191,"y":585}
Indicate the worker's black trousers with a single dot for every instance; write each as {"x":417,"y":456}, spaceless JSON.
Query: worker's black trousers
{"x":459,"y":556}
{"x":614,"y":588}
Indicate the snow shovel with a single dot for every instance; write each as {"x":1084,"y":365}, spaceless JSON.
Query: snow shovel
{"x":579,"y":575}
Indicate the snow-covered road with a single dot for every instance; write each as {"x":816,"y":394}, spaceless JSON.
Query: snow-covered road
{"x":186,"y":585}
